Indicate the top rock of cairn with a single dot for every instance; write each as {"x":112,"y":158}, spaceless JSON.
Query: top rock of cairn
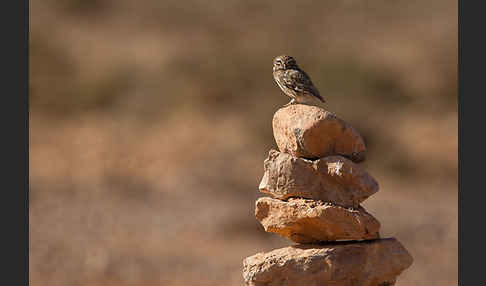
{"x":311,"y":132}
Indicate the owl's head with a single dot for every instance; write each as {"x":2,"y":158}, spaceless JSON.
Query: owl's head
{"x":284,"y":62}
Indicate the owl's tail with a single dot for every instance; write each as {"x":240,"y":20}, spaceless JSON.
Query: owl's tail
{"x":320,"y":97}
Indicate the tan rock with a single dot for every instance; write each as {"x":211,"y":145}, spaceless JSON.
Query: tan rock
{"x":309,"y":221}
{"x":332,"y":179}
{"x":367,"y":263}
{"x":312,"y":132}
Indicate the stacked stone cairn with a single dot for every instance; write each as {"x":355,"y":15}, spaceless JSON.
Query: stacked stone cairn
{"x":317,"y":187}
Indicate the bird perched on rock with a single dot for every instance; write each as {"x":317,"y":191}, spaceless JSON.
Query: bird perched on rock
{"x":294,"y":82}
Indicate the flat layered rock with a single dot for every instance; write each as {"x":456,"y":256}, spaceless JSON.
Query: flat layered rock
{"x":312,"y":132}
{"x":367,"y":263}
{"x":333,"y":179}
{"x":309,"y":221}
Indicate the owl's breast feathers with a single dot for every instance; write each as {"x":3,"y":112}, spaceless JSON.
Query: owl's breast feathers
{"x":300,"y":83}
{"x":279,"y":79}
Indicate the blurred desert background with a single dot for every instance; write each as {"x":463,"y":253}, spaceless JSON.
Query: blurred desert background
{"x":150,"y":121}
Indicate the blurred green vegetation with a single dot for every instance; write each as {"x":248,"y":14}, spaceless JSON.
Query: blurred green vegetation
{"x":226,"y":53}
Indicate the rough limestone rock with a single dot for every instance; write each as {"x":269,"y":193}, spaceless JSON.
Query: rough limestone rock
{"x":332,"y":179}
{"x":312,"y":132}
{"x":370,"y":263}
{"x":309,"y":221}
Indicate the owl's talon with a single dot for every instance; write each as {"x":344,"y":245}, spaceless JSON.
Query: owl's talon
{"x":290,"y":103}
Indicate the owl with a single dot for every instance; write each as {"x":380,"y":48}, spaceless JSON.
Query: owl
{"x":294,"y":82}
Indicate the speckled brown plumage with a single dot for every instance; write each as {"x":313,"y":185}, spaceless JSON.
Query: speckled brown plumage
{"x":294,"y":82}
